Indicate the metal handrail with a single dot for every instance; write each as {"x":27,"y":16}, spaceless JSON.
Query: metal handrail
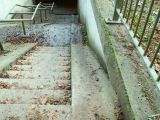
{"x":19,"y":20}
{"x":22,"y":19}
{"x":44,"y":7}
{"x":40,"y":7}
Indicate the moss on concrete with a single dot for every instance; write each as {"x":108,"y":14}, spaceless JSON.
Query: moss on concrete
{"x":111,"y":62}
{"x":133,"y":104}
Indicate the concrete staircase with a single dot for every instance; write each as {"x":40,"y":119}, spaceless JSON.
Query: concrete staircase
{"x":59,"y":80}
{"x":38,"y":86}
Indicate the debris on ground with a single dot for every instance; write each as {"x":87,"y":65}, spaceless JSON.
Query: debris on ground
{"x":23,"y":62}
{"x":21,"y":40}
{"x":4,"y":85}
{"x":4,"y":75}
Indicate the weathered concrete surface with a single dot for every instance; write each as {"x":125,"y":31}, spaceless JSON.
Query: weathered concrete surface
{"x":87,"y":17}
{"x":137,"y":93}
{"x":93,"y":97}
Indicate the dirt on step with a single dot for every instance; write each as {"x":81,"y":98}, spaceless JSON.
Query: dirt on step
{"x":21,"y":40}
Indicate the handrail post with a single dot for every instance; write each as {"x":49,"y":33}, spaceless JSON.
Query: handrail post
{"x":52,"y":8}
{"x":118,"y":5}
{"x":34,"y":21}
{"x":45,"y":12}
{"x":40,"y":11}
{"x":23,"y":26}
{"x":1,"y":47}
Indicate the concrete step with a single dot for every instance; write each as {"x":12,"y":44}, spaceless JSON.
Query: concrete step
{"x":55,"y":58}
{"x":34,"y":112}
{"x":28,"y":84}
{"x":49,"y":62}
{"x":39,"y":75}
{"x":51,"y":51}
{"x":54,"y":68}
{"x":40,"y":97}
{"x":56,"y":48}
{"x":38,"y":54}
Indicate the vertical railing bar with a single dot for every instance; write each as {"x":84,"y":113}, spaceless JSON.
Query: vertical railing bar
{"x":155,"y":56}
{"x":158,"y":79}
{"x":1,"y":47}
{"x":34,"y":21}
{"x":52,"y":8}
{"x":129,"y":12}
{"x":147,"y":19}
{"x":41,"y":15}
{"x":118,"y":5}
{"x":45,"y":12}
{"x":134,"y":14}
{"x":153,"y":31}
{"x":23,"y":26}
{"x":125,"y":8}
{"x":122,"y":6}
{"x":139,"y":19}
{"x":32,"y":9}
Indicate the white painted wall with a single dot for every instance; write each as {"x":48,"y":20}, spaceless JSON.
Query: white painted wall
{"x":7,"y":5}
{"x":87,"y":17}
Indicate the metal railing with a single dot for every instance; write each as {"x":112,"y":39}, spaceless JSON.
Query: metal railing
{"x":35,"y":9}
{"x":142,"y":19}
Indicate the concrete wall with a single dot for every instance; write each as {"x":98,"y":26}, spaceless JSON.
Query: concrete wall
{"x":87,"y":17}
{"x":7,"y":5}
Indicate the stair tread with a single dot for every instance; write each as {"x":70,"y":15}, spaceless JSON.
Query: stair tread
{"x":34,"y":112}
{"x":38,"y":75}
{"x":54,"y":68}
{"x":34,"y":84}
{"x":34,"y":97}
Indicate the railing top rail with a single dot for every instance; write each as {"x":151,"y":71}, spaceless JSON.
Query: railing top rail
{"x":28,"y":7}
